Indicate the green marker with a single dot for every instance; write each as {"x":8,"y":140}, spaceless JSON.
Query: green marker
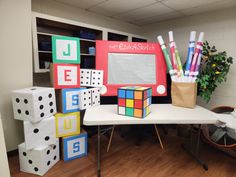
{"x":167,"y":57}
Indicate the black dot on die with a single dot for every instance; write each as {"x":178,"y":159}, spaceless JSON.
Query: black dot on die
{"x":41,"y":107}
{"x":36,"y":169}
{"x":50,"y":95}
{"x":86,"y":82}
{"x":99,"y":73}
{"x":42,"y":114}
{"x":94,"y":78}
{"x":33,"y":89}
{"x":46,"y":138}
{"x":27,"y":112}
{"x":87,"y":77}
{"x":30,"y":161}
{"x":51,"y":103}
{"x":89,"y":97}
{"x":25,"y":101}
{"x":98,"y":101}
{"x":17,"y":100}
{"x":93,"y":83}
{"x":51,"y":110}
{"x":82,"y":71}
{"x":84,"y":104}
{"x":19,"y":111}
{"x":89,"y":92}
{"x":84,"y":93}
{"x":93,"y":91}
{"x":89,"y":104}
{"x":93,"y":72}
{"x":93,"y":102}
{"x":81,"y":77}
{"x":48,"y":163}
{"x":36,"y":130}
{"x":48,"y":152}
{"x":96,"y":96}
{"x":87,"y":72}
{"x":84,"y":98}
{"x":40,"y":98}
{"x":24,"y":154}
{"x":54,"y":147}
{"x":98,"y":78}
{"x":55,"y":157}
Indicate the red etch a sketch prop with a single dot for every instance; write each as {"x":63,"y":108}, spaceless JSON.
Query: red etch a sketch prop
{"x":131,"y":63}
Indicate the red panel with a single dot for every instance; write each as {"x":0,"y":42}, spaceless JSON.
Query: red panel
{"x":138,"y":104}
{"x":104,"y":47}
{"x":121,"y":102}
{"x":55,"y":70}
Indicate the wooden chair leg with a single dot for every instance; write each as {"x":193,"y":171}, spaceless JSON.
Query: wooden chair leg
{"x":110,"y":139}
{"x":158,"y":136}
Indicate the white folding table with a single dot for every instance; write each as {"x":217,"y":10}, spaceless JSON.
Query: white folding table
{"x":160,"y":114}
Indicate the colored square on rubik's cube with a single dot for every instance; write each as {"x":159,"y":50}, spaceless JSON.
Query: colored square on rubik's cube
{"x":134,"y":101}
{"x":75,"y":146}
{"x":65,"y":49}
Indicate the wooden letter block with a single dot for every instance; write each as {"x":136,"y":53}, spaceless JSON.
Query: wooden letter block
{"x":74,"y":146}
{"x":38,"y":160}
{"x":68,"y":100}
{"x":67,"y":124}
{"x":65,"y":49}
{"x":65,"y":75}
{"x":34,"y":103}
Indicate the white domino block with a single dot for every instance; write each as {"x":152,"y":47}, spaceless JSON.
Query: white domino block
{"x":95,"y":96}
{"x":85,"y":99}
{"x":97,"y":78}
{"x":38,"y":160}
{"x":89,"y":98}
{"x":85,"y":77}
{"x":34,"y":103}
{"x":42,"y":133}
{"x":91,"y":77}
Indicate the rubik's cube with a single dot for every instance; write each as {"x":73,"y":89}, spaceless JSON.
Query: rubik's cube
{"x":134,"y":101}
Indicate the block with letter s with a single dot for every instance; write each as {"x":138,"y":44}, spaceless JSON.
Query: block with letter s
{"x":74,"y":146}
{"x":65,"y":75}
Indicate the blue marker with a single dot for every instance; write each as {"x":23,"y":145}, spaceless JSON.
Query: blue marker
{"x":190,"y":52}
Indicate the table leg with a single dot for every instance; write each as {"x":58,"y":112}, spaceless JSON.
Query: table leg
{"x":99,"y":153}
{"x":195,"y":153}
{"x":110,"y":139}
{"x":158,"y":136}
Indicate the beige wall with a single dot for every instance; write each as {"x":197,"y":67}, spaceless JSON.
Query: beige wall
{"x":4,"y":167}
{"x":69,"y":12}
{"x":220,"y":30}
{"x":16,"y":62}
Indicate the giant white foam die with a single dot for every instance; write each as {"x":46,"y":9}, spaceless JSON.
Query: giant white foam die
{"x":68,"y":100}
{"x":38,"y":160}
{"x":40,"y":134}
{"x":67,"y":124}
{"x":75,"y":146}
{"x":65,"y":75}
{"x":89,"y":98}
{"x":91,"y":77}
{"x":34,"y":103}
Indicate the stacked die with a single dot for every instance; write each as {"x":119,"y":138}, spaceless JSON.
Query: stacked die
{"x":36,"y":107}
{"x":134,"y":101}
{"x":67,"y":77}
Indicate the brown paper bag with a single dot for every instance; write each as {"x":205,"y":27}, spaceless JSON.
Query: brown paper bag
{"x":184,"y":94}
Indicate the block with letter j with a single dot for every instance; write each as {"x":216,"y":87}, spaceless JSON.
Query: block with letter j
{"x":65,"y":49}
{"x":75,"y":146}
{"x":65,"y":75}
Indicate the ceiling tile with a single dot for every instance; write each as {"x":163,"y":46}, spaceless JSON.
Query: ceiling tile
{"x":112,"y":7}
{"x":184,"y":4}
{"x":209,"y":7}
{"x":84,"y":4}
{"x":145,"y":12}
{"x":155,"y":19}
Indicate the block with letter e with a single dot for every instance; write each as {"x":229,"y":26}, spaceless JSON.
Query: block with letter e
{"x":67,"y":124}
{"x":75,"y":146}
{"x":65,"y":49}
{"x":65,"y":75}
{"x":68,"y":100}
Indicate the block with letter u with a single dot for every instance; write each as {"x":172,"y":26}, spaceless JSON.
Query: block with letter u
{"x":65,"y":75}
{"x":67,"y":124}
